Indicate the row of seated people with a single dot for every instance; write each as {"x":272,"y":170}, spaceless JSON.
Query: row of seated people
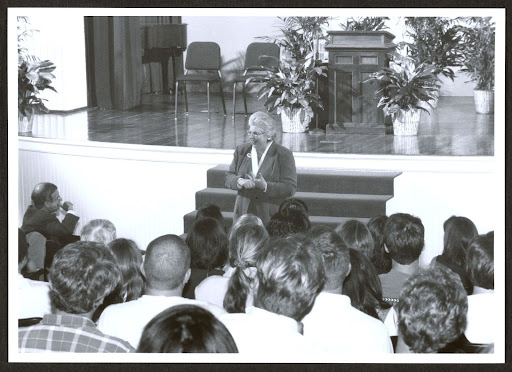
{"x":311,"y":289}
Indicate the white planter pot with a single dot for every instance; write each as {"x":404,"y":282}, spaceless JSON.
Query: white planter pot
{"x":25,"y":124}
{"x":406,"y":124}
{"x":484,"y":101}
{"x":291,"y":121}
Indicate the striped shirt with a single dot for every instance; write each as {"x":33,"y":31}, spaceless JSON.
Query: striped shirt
{"x":68,"y":333}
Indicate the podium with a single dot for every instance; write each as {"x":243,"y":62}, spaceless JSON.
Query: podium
{"x":353,"y":56}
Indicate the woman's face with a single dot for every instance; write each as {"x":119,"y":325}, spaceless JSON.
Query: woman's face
{"x":257,"y":135}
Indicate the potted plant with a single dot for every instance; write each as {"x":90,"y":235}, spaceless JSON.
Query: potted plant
{"x":290,"y":86}
{"x":479,"y":42}
{"x":365,"y":24}
{"x":34,"y":76}
{"x":404,"y":88}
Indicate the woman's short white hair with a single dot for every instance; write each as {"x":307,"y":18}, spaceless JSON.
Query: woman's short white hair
{"x":264,"y":120}
{"x":100,"y":231}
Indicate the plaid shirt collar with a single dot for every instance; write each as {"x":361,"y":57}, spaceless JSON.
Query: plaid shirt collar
{"x":67,"y":320}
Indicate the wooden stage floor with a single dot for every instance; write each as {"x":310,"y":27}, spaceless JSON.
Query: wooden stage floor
{"x":453,"y":129}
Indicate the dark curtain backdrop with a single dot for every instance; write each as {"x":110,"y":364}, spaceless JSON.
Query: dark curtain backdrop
{"x":114,"y":62}
{"x":152,"y":71}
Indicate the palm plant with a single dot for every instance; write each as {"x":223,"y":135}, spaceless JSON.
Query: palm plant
{"x":365,"y":24}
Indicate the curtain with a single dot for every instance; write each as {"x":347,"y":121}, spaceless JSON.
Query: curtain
{"x":114,"y":62}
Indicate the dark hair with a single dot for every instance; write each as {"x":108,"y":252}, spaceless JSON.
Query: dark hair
{"x":404,"y":237}
{"x":356,"y":235}
{"x":208,"y":244}
{"x":379,"y":258}
{"x":291,"y":204}
{"x":42,"y":193}
{"x":291,"y":221}
{"x":432,"y":309}
{"x":290,"y":276}
{"x":129,"y":261}
{"x":245,"y":243}
{"x":334,"y":253}
{"x":186,"y":329}
{"x":363,"y":286}
{"x":167,"y":262}
{"x":480,"y":261}
{"x":22,"y":246}
{"x":212,"y":211}
{"x":81,"y":276}
{"x":458,"y":231}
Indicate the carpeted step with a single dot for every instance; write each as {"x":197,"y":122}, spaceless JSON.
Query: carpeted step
{"x":332,"y":222}
{"x":319,"y":204}
{"x":326,"y":181}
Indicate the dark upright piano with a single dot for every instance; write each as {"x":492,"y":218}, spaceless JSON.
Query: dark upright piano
{"x":161,"y":42}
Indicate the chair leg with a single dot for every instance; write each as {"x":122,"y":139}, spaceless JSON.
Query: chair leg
{"x":176,"y":102}
{"x":222,"y":97}
{"x":186,"y":98}
{"x":234,"y":98}
{"x":245,"y":101}
{"x":208,"y":97}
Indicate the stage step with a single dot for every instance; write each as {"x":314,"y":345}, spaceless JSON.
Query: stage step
{"x":333,"y":197}
{"x":330,"y":221}
{"x":325,"y":181}
{"x":319,"y":204}
{"x":349,"y":128}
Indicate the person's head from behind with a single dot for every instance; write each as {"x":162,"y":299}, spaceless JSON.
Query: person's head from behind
{"x":99,"y":230}
{"x":167,"y":264}
{"x":129,"y":261}
{"x":404,"y":238}
{"x":292,"y":204}
{"x":186,"y":329}
{"x":432,"y":309}
{"x":363,"y":285}
{"x":81,"y":276}
{"x":380,"y":258}
{"x":356,"y":235}
{"x":335,"y":255}
{"x":458,"y":231}
{"x":290,"y":276}
{"x":208,"y":244}
{"x":45,"y":194}
{"x":212,"y":211}
{"x":246,"y":241}
{"x":288,"y":222}
{"x":480,"y":261}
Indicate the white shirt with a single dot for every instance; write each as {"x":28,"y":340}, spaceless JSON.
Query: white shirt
{"x":213,"y":289}
{"x":341,"y":328}
{"x":127,"y":320}
{"x":262,"y":333}
{"x":481,"y":324}
{"x":34,"y":299}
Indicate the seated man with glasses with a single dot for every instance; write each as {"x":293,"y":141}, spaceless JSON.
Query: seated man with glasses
{"x":262,"y":171}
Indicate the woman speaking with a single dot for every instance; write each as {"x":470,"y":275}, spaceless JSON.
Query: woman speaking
{"x":262,"y":171}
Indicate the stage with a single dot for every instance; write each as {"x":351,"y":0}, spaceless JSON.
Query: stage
{"x":453,"y":129}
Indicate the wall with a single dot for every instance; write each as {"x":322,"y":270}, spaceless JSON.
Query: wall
{"x":146,"y":190}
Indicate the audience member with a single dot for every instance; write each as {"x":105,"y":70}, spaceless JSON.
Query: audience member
{"x":212,"y":211}
{"x":233,"y":290}
{"x":82,"y":274}
{"x":100,"y":231}
{"x":129,"y":260}
{"x":40,"y":215}
{"x":290,"y":276}
{"x":356,"y":235}
{"x":333,"y":322}
{"x":167,"y":269}
{"x":482,"y":303}
{"x":432,"y":311}
{"x":404,"y":241}
{"x":186,"y":329}
{"x":292,"y":204}
{"x":363,"y":287}
{"x":380,"y":258}
{"x":290,"y":221}
{"x":33,"y":295}
{"x":458,"y":231}
{"x":208,"y":245}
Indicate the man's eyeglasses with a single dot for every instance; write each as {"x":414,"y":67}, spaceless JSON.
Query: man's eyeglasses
{"x":255,"y":134}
